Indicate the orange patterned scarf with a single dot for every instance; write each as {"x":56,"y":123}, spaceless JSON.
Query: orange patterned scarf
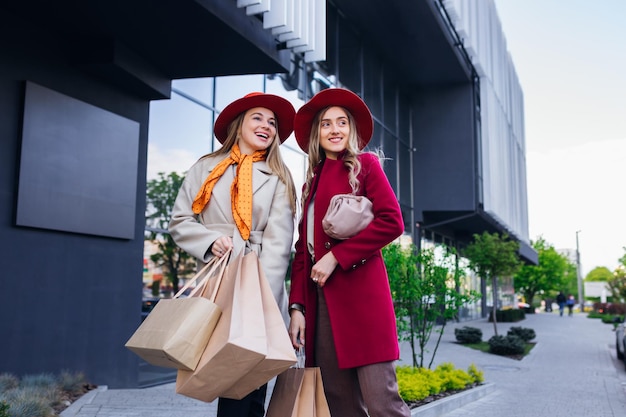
{"x":240,"y":190}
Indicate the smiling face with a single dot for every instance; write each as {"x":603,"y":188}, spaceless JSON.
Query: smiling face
{"x":258,"y":130}
{"x":334,"y":131}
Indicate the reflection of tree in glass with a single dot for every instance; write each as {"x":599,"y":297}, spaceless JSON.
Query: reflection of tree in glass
{"x":160,"y":197}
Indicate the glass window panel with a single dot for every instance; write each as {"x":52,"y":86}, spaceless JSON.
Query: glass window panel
{"x":349,"y":52}
{"x":180,"y":132}
{"x":199,"y":88}
{"x":231,"y":88}
{"x":332,"y":19}
{"x":390,"y":148}
{"x":404,"y":174}
{"x":376,"y":141}
{"x":407,"y":217}
{"x":372,"y":94}
{"x":389,"y":105}
{"x":275,"y":86}
{"x":404,"y":117}
{"x":296,"y":162}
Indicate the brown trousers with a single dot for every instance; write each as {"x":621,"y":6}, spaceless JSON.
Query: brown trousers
{"x":358,"y":391}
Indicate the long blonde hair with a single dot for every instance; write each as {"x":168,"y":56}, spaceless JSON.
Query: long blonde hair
{"x":316,"y":154}
{"x":273,"y":158}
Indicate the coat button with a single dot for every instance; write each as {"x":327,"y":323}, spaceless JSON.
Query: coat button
{"x":362,"y":261}
{"x":327,"y":245}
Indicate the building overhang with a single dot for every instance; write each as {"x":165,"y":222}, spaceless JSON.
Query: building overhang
{"x":143,"y":44}
{"x":414,"y":37}
{"x":463,"y":225}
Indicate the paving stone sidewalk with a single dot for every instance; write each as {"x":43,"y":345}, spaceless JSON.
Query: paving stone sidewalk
{"x":571,"y":372}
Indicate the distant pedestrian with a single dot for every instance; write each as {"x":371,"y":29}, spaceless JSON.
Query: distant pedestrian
{"x":560,"y":300}
{"x":570,"y":305}
{"x":548,"y":305}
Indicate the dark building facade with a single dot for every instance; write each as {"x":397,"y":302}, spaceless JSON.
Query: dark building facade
{"x":76,"y":85}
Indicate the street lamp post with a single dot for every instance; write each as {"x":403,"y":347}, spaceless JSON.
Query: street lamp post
{"x":581,"y":300}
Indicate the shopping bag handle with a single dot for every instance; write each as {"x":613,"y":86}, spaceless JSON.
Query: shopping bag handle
{"x":222,"y":262}
{"x":300,"y":356}
{"x":210,"y":266}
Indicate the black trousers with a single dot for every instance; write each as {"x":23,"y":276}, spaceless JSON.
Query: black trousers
{"x":252,"y":405}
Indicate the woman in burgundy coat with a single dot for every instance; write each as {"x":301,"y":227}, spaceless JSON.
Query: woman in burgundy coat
{"x":340,"y":303}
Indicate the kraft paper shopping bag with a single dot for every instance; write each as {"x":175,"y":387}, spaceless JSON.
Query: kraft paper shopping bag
{"x":298,"y":392}
{"x":238,"y":343}
{"x":177,"y":330}
{"x":280,"y":352}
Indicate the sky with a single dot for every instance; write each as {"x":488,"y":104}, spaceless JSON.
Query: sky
{"x":570,"y":58}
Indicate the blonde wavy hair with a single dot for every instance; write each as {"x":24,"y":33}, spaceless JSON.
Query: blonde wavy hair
{"x":316,"y":153}
{"x":273,"y":158}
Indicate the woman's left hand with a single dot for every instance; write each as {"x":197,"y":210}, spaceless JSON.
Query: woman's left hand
{"x":222,"y":245}
{"x":323,"y":268}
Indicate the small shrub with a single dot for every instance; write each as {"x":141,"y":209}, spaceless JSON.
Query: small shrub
{"x":40,"y":395}
{"x":4,"y":409}
{"x":477,"y":375}
{"x":72,"y":382}
{"x":8,"y":381}
{"x":524,"y":333}
{"x":454,"y":379}
{"x":506,"y":345}
{"x":611,"y":319}
{"x":508,"y":316}
{"x":468,"y":334}
{"x":595,"y":315}
{"x":412,"y":384}
{"x":416,"y":384}
{"x":28,"y":402}
{"x":38,"y":380}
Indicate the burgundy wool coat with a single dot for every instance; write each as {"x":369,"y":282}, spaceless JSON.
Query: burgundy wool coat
{"x":357,"y":293}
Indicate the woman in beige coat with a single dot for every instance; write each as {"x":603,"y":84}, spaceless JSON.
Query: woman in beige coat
{"x":242,"y":197}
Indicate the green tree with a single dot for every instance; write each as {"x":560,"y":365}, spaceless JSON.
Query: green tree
{"x":425,"y":289}
{"x":548,"y":276}
{"x":617,"y":281}
{"x":617,"y":284}
{"x":492,"y":255}
{"x":160,"y":197}
{"x":570,"y":285}
{"x":599,"y":273}
{"x":401,"y":267}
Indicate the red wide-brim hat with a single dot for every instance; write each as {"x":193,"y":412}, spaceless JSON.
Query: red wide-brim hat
{"x":329,"y":98}
{"x":283,"y":110}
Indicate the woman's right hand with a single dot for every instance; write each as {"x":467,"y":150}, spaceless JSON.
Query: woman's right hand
{"x":296,"y":328}
{"x":221,"y":246}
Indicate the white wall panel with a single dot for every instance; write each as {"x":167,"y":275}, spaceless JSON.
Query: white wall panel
{"x":502,"y":112}
{"x":299,"y":24}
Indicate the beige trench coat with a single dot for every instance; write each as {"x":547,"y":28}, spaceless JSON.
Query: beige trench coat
{"x":272,"y":221}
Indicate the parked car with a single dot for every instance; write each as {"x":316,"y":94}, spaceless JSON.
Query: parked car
{"x":620,"y":341}
{"x":147,"y":304}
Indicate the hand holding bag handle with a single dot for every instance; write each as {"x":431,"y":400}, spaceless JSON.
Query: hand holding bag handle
{"x":213,"y":264}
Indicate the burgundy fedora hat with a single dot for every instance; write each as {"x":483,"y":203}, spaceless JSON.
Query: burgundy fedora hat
{"x":328,"y":98}
{"x":283,"y":110}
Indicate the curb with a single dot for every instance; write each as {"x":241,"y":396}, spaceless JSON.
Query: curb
{"x":435,"y":409}
{"x":75,"y":407}
{"x":445,"y":405}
